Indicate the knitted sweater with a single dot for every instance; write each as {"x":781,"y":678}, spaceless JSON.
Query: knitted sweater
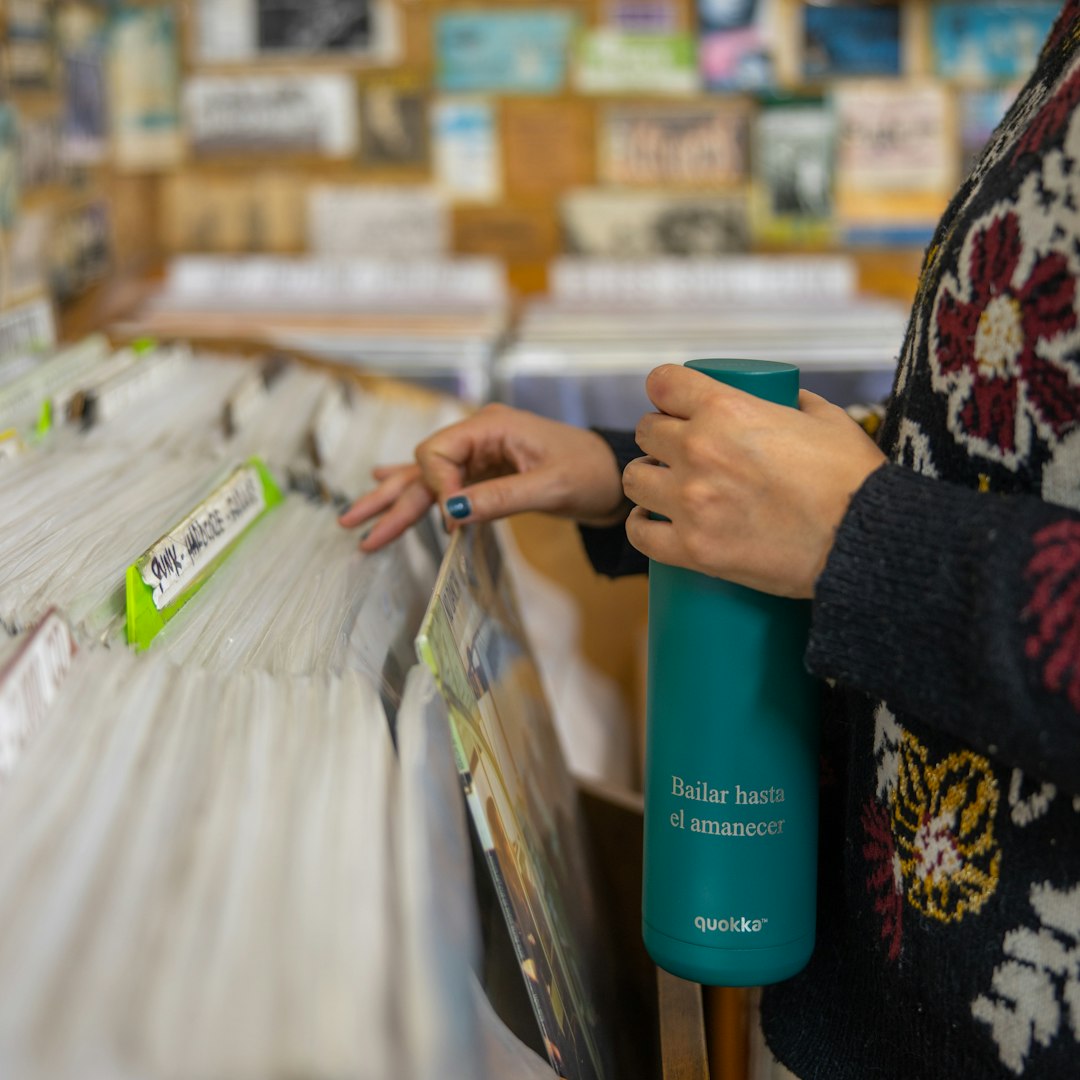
{"x":947,"y":621}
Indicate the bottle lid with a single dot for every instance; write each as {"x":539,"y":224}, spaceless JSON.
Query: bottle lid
{"x":766,"y":379}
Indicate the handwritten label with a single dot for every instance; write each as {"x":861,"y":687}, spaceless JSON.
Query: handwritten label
{"x":176,"y":560}
{"x":29,"y":685}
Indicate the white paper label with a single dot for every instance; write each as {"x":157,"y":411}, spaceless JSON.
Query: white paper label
{"x":30,"y":684}
{"x":333,"y":417}
{"x":176,"y":560}
{"x":247,"y":398}
{"x":134,"y":384}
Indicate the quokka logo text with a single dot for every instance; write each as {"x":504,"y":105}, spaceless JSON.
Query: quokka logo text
{"x":734,"y":924}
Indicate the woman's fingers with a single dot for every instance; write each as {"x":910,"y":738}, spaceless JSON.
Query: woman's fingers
{"x":680,"y":391}
{"x":407,"y":509}
{"x":394,"y":479}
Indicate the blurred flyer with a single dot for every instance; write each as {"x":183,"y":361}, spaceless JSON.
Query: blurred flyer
{"x":144,"y":89}
{"x":986,"y":43}
{"x":737,"y":46}
{"x":9,"y":165}
{"x":299,"y":114}
{"x":229,"y":31}
{"x":677,"y":146}
{"x":794,"y":150}
{"x":466,"y":149}
{"x":394,"y":128}
{"x":896,"y":160}
{"x":610,"y":61}
{"x":503,"y":51}
{"x":851,"y":39}
{"x":361,"y":219}
{"x":82,"y":43}
{"x":260,"y":211}
{"x":644,"y":16}
{"x":632,"y":224}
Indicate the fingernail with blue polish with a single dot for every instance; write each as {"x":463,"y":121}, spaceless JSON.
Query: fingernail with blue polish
{"x":458,"y":507}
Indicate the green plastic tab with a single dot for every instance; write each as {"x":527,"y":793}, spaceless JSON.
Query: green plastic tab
{"x":144,"y":619}
{"x":45,"y":419}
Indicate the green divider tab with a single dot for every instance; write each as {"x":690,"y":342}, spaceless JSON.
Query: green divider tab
{"x":171,"y":572}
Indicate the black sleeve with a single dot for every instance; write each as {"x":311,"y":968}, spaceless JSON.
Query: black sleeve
{"x":608,"y":549}
{"x":961,"y":608}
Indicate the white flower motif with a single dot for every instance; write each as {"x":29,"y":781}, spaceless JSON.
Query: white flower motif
{"x":1061,"y":475}
{"x":913,"y":449}
{"x":1025,"y":810}
{"x":887,"y":737}
{"x":1036,"y":989}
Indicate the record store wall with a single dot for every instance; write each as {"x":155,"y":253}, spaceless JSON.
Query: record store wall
{"x":129,"y":131}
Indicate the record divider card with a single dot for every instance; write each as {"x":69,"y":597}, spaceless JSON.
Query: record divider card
{"x":172,"y":570}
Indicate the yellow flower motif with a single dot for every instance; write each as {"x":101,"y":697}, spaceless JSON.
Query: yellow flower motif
{"x":943,"y":822}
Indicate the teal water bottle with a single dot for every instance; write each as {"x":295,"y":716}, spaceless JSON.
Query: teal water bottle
{"x":731,"y":764}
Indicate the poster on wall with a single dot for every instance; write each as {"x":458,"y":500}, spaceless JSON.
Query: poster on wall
{"x":80,"y":249}
{"x":737,"y":45}
{"x":41,"y":163}
{"x":394,"y":127}
{"x":675,"y":146}
{"x":466,"y":149}
{"x":271,"y":114}
{"x":27,"y":252}
{"x":29,"y":45}
{"x":989,"y":42}
{"x":9,"y":165}
{"x":644,"y":16}
{"x":896,"y":160}
{"x":610,"y":61}
{"x":261,"y":211}
{"x":851,"y":39}
{"x":246,"y":30}
{"x":632,"y":224}
{"x":144,"y":89}
{"x":794,"y":149}
{"x":894,"y":136}
{"x":503,"y":51}
{"x":313,"y":26}
{"x":82,"y":44}
{"x":396,"y":221}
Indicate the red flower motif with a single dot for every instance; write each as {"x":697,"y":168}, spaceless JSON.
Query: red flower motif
{"x":1054,"y":572}
{"x":884,"y":882}
{"x":987,"y":346}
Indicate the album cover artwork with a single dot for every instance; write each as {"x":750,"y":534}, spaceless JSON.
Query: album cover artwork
{"x":394,"y":127}
{"x":851,"y":39}
{"x":313,"y":26}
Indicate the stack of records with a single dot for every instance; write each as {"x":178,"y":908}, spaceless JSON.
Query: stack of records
{"x":236,"y":841}
{"x":428,"y":320}
{"x":582,"y":354}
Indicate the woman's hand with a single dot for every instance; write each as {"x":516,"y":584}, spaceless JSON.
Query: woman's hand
{"x":753,"y":491}
{"x":499,"y":461}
